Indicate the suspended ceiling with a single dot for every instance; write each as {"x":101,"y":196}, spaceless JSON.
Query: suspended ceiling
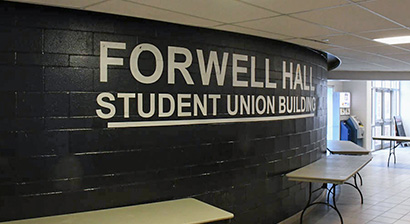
{"x":345,"y":28}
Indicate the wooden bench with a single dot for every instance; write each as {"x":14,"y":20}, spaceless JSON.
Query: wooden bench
{"x":333,"y":169}
{"x":170,"y":212}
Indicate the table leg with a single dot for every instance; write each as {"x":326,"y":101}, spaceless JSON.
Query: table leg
{"x":390,"y":152}
{"x":329,"y":191}
{"x":309,"y":204}
{"x":357,"y":188}
{"x":361,"y":180}
{"x":394,"y":152}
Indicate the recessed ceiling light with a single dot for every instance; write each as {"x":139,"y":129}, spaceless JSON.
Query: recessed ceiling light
{"x":394,"y":40}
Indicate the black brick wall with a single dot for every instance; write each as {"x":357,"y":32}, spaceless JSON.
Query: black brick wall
{"x":57,"y":156}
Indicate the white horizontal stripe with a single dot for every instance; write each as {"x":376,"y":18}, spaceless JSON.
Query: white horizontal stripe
{"x":134,"y":124}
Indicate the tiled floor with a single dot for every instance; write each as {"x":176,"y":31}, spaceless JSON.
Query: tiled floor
{"x":386,"y":192}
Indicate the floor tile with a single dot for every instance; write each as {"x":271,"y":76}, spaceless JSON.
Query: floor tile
{"x":386,"y":192}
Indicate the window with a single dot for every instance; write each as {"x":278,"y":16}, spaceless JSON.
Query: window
{"x":385,"y":98}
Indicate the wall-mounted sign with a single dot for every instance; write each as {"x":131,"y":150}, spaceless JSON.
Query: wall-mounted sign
{"x":161,"y":108}
{"x":345,"y":100}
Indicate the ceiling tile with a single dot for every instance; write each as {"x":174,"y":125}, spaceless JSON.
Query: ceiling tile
{"x":244,"y":30}
{"x":346,"y":60}
{"x":358,"y":61}
{"x":396,"y":65}
{"x":309,"y":43}
{"x":405,"y":46}
{"x":130,"y":9}
{"x":349,"y":53}
{"x":384,"y":50}
{"x":286,"y":25}
{"x":350,"y":18}
{"x":402,"y":57}
{"x":396,"y":10}
{"x":385,"y":33}
{"x":347,"y":40}
{"x":361,"y":67}
{"x":69,"y":4}
{"x":360,"y":0}
{"x":227,"y":11}
{"x":348,"y":27}
{"x":384,"y":64}
{"x":286,"y":6}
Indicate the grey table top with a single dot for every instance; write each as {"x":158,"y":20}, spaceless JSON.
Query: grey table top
{"x":335,"y":169}
{"x":392,"y":138}
{"x":171,"y":212}
{"x":345,"y":147}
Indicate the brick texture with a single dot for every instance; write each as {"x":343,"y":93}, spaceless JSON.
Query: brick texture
{"x":57,"y":156}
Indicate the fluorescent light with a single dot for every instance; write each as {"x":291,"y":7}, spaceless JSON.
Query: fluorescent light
{"x":394,"y":40}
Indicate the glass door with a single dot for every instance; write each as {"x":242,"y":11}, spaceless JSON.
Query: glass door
{"x":385,"y":96}
{"x":377,"y":124}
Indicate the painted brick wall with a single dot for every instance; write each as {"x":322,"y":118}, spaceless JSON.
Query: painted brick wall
{"x":57,"y":156}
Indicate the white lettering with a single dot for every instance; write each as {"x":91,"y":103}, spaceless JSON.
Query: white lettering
{"x":245,"y":105}
{"x":182,"y":104}
{"x":106,"y":105}
{"x":141,"y":106}
{"x":298,"y":78}
{"x":287,"y":75}
{"x":230,"y":111}
{"x":212,"y":62}
{"x":236,"y":69}
{"x":271,"y":104}
{"x":312,"y":88}
{"x":282,"y":104}
{"x":268,"y":84}
{"x":215,"y":98}
{"x":181,"y":66}
{"x":254,"y":83}
{"x":202,"y":105}
{"x":159,"y":65}
{"x":105,"y":60}
{"x":260,"y":99}
{"x":161,"y":112}
{"x":126,"y":97}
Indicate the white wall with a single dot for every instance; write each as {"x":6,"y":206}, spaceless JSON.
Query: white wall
{"x":360,"y":92}
{"x":361,"y":106}
{"x":405,"y":105}
{"x":338,"y":85}
{"x":332,"y":127}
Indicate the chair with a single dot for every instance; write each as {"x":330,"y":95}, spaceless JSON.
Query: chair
{"x":399,"y":129}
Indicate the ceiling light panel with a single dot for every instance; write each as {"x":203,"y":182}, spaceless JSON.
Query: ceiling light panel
{"x":374,"y":34}
{"x":394,"y":40}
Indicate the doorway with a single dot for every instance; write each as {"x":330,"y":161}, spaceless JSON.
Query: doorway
{"x":385,"y":98}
